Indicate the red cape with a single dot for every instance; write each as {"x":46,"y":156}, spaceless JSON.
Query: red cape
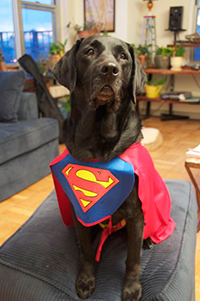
{"x":152,"y":191}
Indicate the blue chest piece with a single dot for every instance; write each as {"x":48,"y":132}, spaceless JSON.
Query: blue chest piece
{"x":96,"y":189}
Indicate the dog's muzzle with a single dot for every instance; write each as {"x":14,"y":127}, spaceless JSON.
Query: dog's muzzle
{"x":105,"y":96}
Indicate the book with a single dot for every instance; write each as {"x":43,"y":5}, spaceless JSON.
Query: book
{"x":179,"y":95}
{"x":193,"y":152}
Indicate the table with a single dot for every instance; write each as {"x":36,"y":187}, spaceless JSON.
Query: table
{"x":194,"y":163}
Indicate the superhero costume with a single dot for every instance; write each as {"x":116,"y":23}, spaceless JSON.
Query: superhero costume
{"x":97,"y":189}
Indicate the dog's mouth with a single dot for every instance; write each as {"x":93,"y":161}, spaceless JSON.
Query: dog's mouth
{"x":105,"y":96}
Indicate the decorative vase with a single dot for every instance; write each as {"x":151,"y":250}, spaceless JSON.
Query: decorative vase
{"x":176,"y":63}
{"x":162,"y":61}
{"x":153,"y":91}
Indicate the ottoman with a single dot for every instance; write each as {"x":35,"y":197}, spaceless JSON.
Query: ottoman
{"x":40,"y":261}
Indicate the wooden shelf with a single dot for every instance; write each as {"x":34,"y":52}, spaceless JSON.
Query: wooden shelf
{"x":170,"y":116}
{"x":186,"y":44}
{"x":170,"y":72}
{"x":172,"y":101}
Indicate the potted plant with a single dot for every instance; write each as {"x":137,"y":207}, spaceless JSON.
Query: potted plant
{"x":56,"y":51}
{"x":2,"y":62}
{"x":177,"y":58}
{"x":88,"y":28}
{"x":153,"y":88}
{"x":143,"y":53}
{"x":162,"y":57}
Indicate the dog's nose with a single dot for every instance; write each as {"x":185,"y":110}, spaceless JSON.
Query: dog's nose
{"x":109,"y":69}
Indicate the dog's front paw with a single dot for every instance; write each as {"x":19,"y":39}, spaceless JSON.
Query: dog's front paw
{"x":132,"y":291}
{"x":85,"y":285}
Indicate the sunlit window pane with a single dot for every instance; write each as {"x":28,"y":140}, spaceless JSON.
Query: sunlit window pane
{"x":197,"y":49}
{"x":7,"y":35}
{"x":38,"y":32}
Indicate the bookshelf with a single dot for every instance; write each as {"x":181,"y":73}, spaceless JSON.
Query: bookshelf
{"x":171,"y":73}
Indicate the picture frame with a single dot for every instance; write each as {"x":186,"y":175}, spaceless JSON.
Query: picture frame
{"x":101,"y":13}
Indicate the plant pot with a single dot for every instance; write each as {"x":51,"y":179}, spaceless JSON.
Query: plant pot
{"x":142,"y":59}
{"x":176,"y":63}
{"x":53,"y":59}
{"x":86,"y":33}
{"x":162,"y":61}
{"x":153,"y":91}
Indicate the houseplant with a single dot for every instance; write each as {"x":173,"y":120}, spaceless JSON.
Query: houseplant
{"x":177,"y":58}
{"x":2,"y":62}
{"x":162,"y":57}
{"x":88,"y":28}
{"x":153,"y":88}
{"x":143,"y":53}
{"x":56,"y":51}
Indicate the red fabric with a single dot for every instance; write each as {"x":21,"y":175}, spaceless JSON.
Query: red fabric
{"x":153,"y":194}
{"x":63,"y":201}
{"x":106,"y":232}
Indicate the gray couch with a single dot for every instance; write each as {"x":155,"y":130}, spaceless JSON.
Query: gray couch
{"x":27,"y":143}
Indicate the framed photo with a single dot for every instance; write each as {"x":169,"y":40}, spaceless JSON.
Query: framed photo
{"x":101,"y":13}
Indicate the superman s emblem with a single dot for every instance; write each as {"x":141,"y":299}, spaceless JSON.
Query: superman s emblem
{"x":89,"y":184}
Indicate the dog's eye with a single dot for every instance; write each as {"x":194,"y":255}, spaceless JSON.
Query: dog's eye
{"x":90,"y":52}
{"x":123,"y":56}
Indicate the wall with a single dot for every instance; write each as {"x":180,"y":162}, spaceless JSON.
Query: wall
{"x":128,"y":26}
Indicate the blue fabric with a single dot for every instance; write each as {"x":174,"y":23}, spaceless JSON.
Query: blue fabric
{"x":11,"y":87}
{"x":109,"y":182}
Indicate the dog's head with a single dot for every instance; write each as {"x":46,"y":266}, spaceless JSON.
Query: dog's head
{"x":101,"y":70}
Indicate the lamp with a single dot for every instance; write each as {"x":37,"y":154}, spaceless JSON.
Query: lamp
{"x":150,"y":5}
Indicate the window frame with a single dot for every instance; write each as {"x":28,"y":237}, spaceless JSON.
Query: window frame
{"x":18,"y":5}
{"x":195,"y":14}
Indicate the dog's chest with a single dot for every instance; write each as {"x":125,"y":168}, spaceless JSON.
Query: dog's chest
{"x":95,"y":189}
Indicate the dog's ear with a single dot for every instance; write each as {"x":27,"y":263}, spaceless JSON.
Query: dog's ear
{"x":138,"y":77}
{"x":65,"y":69}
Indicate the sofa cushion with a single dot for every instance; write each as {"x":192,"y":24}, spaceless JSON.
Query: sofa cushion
{"x":11,"y":86}
{"x":25,"y":136}
{"x":19,"y":173}
{"x":41,"y":262}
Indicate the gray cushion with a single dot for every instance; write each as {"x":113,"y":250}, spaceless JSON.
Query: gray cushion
{"x":28,"y":108}
{"x":18,"y":173}
{"x":11,"y":86}
{"x":40,"y":262}
{"x":29,"y":134}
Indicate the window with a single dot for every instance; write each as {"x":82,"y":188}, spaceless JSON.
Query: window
{"x":34,"y":22}
{"x":197,"y":28}
{"x":38,"y":19}
{"x":7,"y":35}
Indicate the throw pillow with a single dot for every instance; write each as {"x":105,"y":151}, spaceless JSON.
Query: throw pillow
{"x":11,"y":87}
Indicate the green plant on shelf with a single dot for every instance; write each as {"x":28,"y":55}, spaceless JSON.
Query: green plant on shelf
{"x":164,"y":51}
{"x":143,"y":50}
{"x":178,"y":51}
{"x":57,"y":48}
{"x":157,"y":82}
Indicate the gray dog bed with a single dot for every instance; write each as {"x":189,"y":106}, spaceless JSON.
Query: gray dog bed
{"x":40,"y":261}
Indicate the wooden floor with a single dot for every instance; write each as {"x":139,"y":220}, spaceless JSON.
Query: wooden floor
{"x":169,"y":161}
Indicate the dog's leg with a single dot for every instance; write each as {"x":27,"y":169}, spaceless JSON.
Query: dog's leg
{"x":135,"y":224}
{"x":85,"y":282}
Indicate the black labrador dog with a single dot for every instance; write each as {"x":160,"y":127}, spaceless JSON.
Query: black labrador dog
{"x":103,"y":76}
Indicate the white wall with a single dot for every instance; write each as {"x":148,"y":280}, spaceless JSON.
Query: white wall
{"x":128,"y":26}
